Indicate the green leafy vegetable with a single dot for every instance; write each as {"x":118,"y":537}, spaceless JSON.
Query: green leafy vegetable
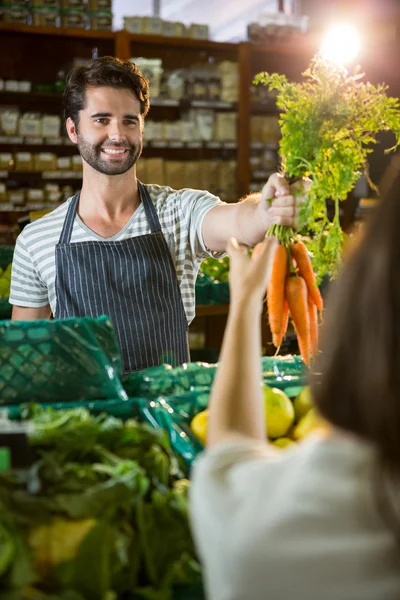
{"x":329,"y":122}
{"x":102,"y":514}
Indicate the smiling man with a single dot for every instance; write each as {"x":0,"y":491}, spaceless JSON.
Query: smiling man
{"x":121,"y":248}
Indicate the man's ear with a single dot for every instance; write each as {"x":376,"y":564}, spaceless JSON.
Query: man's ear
{"x":72,"y":130}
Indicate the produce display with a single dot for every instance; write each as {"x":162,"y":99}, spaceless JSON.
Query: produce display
{"x":212,"y":284}
{"x":100,"y":514}
{"x":287,"y":420}
{"x":5,"y":280}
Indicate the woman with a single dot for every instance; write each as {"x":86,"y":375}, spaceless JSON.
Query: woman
{"x":320,"y":521}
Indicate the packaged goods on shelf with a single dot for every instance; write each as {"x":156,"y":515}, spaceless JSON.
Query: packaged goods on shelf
{"x":6,"y":161}
{"x":16,"y":197}
{"x":175,"y":174}
{"x":73,"y":17}
{"x":29,"y":125}
{"x":45,"y":16}
{"x":51,"y":126}
{"x":265,"y":129}
{"x":155,"y":170}
{"x":277,"y":27}
{"x":227,"y":179}
{"x":99,"y":4}
{"x":229,"y":78}
{"x":156,"y":26}
{"x":44,"y":3}
{"x":198,"y":31}
{"x":209,"y":172}
{"x":9,"y":121}
{"x":64,"y":163}
{"x":141,"y":170}
{"x":23,"y":161}
{"x":205,"y":124}
{"x":35,"y":195}
{"x":77,"y":162}
{"x":100,"y":20}
{"x":17,"y":13}
{"x":73,"y":4}
{"x":45,"y":161}
{"x":3,"y":192}
{"x":226,"y":126}
{"x":151,"y":68}
{"x":192,"y":176}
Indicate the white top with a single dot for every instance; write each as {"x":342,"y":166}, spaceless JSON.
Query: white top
{"x":181,"y":215}
{"x":294,"y":524}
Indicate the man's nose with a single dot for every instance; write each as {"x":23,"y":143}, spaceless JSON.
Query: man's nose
{"x":116,"y":132}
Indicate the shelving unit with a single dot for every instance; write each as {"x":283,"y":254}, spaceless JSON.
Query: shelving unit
{"x":25,"y":46}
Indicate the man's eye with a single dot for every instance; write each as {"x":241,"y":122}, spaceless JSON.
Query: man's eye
{"x":130,"y":122}
{"x":102,"y":121}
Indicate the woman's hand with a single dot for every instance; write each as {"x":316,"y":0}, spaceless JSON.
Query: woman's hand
{"x":248,"y":277}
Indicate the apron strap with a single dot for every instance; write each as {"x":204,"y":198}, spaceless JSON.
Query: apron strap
{"x":149,"y":208}
{"x":66,"y":232}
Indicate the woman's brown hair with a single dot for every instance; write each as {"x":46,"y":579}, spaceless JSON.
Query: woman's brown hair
{"x":356,"y":384}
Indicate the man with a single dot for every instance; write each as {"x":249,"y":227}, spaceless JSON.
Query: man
{"x":119,"y":247}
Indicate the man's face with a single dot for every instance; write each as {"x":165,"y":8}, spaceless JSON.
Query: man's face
{"x":110,"y":130}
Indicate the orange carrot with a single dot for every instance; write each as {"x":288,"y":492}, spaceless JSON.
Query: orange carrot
{"x":313,"y":312}
{"x":276,"y":289}
{"x":300,"y":254}
{"x":296,"y":294}
{"x":277,"y":338}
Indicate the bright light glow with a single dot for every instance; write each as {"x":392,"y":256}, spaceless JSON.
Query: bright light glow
{"x":341,"y":44}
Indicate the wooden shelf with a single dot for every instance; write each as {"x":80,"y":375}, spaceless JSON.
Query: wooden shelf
{"x":302,"y":45}
{"x":209,"y":310}
{"x":159,"y":40}
{"x":57,"y":31}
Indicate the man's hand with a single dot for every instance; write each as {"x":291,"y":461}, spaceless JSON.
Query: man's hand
{"x":248,"y":277}
{"x":280,"y":203}
{"x":249,"y":220}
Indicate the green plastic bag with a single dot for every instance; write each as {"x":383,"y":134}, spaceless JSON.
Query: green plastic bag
{"x":166,"y":381}
{"x":59,"y":361}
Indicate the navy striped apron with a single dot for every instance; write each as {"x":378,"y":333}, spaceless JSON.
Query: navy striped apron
{"x":134,"y":282}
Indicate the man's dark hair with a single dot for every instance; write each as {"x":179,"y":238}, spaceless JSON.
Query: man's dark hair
{"x":105,"y":71}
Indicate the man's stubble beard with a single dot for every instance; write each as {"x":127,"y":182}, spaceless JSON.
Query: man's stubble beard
{"x":92,"y":155}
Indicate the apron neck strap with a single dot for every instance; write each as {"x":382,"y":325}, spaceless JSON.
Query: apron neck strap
{"x":149,"y":208}
{"x":66,"y":232}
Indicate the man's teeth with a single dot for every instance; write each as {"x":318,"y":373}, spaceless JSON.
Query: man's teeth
{"x":110,"y":151}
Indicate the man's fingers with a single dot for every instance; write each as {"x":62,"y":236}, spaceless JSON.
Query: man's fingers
{"x":283,"y":211}
{"x":280,"y":220}
{"x":286,"y":200}
{"x":275,"y":186}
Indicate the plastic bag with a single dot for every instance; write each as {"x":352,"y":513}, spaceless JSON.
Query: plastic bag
{"x":60,"y":360}
{"x":166,"y":381}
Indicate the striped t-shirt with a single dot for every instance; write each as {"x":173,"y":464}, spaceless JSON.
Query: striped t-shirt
{"x":181,"y":215}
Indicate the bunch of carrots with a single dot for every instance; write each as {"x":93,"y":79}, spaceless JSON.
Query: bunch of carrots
{"x":292,"y":291}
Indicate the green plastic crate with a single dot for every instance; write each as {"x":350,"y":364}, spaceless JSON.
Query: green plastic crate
{"x":58,"y":361}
